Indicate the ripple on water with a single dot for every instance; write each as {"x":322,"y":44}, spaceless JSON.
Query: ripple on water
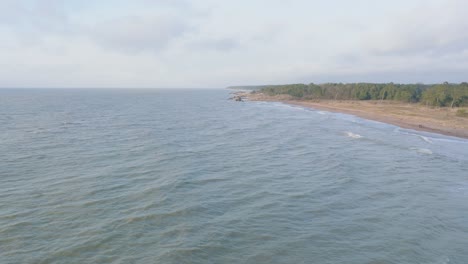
{"x":186,"y":177}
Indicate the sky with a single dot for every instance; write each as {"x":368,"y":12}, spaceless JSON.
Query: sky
{"x":214,"y":44}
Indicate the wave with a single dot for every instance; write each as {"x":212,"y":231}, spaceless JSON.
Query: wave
{"x":407,"y":132}
{"x":426,"y":139}
{"x":422,"y":150}
{"x":295,"y":107}
{"x":353,"y":135}
{"x":430,"y":137}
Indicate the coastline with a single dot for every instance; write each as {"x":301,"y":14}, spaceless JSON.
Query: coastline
{"x":411,"y":116}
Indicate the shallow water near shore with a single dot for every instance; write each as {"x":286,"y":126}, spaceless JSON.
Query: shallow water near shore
{"x":187,"y":176}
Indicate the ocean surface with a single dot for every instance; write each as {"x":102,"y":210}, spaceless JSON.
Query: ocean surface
{"x":187,"y":176}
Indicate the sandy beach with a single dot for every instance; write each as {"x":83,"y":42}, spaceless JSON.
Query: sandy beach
{"x":413,"y":116}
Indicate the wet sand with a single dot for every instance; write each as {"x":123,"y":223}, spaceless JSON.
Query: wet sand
{"x":413,"y":116}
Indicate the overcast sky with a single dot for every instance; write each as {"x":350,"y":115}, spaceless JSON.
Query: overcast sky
{"x":212,"y":43}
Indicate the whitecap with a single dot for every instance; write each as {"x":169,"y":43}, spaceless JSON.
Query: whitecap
{"x":422,"y":151}
{"x":352,"y":135}
{"x":290,"y":106}
{"x":426,"y":139}
{"x":445,"y":260}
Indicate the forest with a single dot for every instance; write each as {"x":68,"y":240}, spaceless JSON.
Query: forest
{"x":440,"y":95}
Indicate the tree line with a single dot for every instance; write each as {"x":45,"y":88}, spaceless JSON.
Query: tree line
{"x":442,"y":95}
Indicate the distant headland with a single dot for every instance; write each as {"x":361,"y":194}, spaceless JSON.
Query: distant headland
{"x":438,"y":108}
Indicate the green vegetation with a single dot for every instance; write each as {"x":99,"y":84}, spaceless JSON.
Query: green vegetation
{"x":247,"y":87}
{"x":439,"y":95}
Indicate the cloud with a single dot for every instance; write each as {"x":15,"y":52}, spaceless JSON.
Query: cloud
{"x":209,"y":43}
{"x":137,"y":34}
{"x":34,"y":16}
{"x":150,"y":27}
{"x":221,"y":45}
{"x":431,"y":30}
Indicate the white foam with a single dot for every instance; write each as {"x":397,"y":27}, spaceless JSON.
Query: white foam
{"x":423,"y":151}
{"x":430,"y":137}
{"x":426,"y":139}
{"x":292,"y":106}
{"x":446,"y":260}
{"x":352,"y":135}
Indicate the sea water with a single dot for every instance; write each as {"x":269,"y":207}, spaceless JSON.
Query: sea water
{"x":187,"y":176}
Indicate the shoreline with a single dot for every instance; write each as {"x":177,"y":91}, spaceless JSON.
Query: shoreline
{"x":410,"y":116}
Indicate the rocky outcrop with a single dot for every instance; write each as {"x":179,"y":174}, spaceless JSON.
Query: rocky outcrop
{"x":238,"y":97}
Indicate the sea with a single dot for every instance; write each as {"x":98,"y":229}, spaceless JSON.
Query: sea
{"x":188,"y":176}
